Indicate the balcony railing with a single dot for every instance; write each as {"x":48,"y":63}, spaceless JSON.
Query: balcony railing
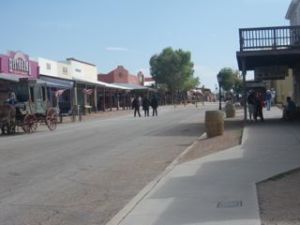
{"x":269,"y":38}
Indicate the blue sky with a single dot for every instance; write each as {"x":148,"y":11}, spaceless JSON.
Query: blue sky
{"x":128,"y":32}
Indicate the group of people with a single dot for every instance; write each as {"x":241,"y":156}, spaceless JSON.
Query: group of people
{"x":258,"y":100}
{"x":256,"y":103}
{"x":146,"y":103}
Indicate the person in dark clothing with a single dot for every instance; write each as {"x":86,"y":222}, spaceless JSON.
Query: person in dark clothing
{"x":146,"y":105}
{"x":154,"y":105}
{"x":259,"y":104}
{"x":289,"y":111}
{"x":136,"y":106}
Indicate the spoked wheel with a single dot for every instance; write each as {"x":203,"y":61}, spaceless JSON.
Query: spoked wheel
{"x":30,"y":123}
{"x":51,"y":119}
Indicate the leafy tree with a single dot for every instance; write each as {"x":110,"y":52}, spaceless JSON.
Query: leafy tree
{"x":228,"y":78}
{"x":238,"y":83}
{"x":173,"y":68}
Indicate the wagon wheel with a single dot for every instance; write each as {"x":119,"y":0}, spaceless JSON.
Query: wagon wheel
{"x":29,"y":123}
{"x":51,"y":118}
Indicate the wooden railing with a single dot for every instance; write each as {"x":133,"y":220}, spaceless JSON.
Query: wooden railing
{"x":269,"y":38}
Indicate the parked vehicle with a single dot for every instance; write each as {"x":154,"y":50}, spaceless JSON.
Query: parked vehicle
{"x":31,"y":109}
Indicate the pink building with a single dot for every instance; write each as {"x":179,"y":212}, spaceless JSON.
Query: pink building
{"x":13,"y":66}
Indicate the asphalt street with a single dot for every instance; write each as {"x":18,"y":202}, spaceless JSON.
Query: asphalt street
{"x":84,"y":173}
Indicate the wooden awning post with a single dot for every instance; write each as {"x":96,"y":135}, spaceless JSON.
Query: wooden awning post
{"x":96,"y":99}
{"x":244,"y":73}
{"x":104,"y":99}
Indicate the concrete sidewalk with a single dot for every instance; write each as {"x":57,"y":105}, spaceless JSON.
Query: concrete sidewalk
{"x":219,"y":189}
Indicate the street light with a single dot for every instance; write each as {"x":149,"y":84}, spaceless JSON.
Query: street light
{"x":219,"y":81}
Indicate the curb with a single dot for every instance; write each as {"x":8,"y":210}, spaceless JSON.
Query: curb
{"x":123,"y":213}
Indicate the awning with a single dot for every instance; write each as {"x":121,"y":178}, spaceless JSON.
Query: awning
{"x":11,"y":77}
{"x":100,"y":83}
{"x":132,"y":86}
{"x":57,"y":83}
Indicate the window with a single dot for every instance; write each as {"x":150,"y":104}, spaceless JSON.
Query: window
{"x":31,"y":94}
{"x":65,"y":70}
{"x":48,"y":65}
{"x":44,"y":93}
{"x":78,"y":70}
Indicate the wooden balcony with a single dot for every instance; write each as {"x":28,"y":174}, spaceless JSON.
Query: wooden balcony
{"x":269,"y":46}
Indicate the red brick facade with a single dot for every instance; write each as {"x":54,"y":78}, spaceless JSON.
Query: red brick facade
{"x":120,"y":75}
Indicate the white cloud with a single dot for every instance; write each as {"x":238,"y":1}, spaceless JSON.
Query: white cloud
{"x":117,"y":49}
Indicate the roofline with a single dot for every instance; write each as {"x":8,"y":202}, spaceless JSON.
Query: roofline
{"x":291,"y":8}
{"x":73,"y":59}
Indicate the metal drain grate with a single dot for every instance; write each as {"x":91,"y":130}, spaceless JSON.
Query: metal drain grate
{"x":230,"y":204}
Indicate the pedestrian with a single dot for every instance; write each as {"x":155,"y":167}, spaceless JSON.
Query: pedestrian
{"x":251,"y":104}
{"x":268,"y":99}
{"x":146,"y":105}
{"x":289,"y":112}
{"x":12,"y":99}
{"x":154,"y":105}
{"x":258,"y":107}
{"x":136,"y":106}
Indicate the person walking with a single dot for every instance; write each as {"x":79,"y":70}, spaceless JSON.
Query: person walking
{"x":154,"y":105}
{"x":146,"y":105}
{"x":251,"y":104}
{"x":259,"y":104}
{"x":136,"y":106}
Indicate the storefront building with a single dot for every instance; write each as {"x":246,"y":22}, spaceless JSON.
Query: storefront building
{"x":58,"y":78}
{"x":13,"y":67}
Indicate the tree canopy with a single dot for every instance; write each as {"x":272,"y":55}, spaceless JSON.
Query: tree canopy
{"x":174,"y":69}
{"x":229,"y":79}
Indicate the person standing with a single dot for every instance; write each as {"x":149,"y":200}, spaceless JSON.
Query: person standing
{"x":136,"y":106}
{"x":259,"y":104}
{"x":154,"y":105}
{"x":268,"y":99}
{"x":251,"y":104}
{"x":146,"y":105}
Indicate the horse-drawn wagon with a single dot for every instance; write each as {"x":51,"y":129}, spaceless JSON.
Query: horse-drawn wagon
{"x":31,"y":109}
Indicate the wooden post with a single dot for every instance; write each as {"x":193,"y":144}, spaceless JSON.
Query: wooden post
{"x":110,"y":100}
{"x":95,"y":99}
{"x":104,"y":99}
{"x":244,"y":72}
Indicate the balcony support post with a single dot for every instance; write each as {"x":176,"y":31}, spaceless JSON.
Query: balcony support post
{"x":244,"y":73}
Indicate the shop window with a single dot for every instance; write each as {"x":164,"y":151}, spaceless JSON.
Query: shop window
{"x":48,"y":65}
{"x":65,"y":70}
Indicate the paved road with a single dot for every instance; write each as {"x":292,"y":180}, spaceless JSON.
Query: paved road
{"x":84,"y":173}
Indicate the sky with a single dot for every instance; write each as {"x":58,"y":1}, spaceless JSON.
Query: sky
{"x":109,"y":33}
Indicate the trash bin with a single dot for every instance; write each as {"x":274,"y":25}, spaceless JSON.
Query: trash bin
{"x":214,"y":123}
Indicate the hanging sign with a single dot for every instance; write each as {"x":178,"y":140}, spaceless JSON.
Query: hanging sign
{"x":271,"y":73}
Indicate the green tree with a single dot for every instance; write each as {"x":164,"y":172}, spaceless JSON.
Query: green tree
{"x":227,"y":77}
{"x":238,"y":83}
{"x":173,"y":68}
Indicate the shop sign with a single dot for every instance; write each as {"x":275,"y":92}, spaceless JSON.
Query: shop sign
{"x":271,"y":73}
{"x":19,"y":63}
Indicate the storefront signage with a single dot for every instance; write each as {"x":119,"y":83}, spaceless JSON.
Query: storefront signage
{"x":19,"y":63}
{"x":271,"y":73}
